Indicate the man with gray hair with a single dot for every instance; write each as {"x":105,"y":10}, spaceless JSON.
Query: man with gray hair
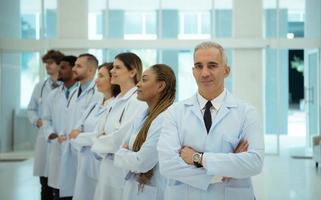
{"x":212,"y":143}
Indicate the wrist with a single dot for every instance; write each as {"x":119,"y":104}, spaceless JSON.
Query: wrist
{"x":197,"y":159}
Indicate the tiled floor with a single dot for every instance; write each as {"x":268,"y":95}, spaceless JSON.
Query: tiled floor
{"x":282,"y":178}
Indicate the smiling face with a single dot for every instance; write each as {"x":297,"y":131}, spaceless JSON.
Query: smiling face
{"x":103,"y":80}
{"x":209,"y":72}
{"x":120,"y":74}
{"x":149,"y":88}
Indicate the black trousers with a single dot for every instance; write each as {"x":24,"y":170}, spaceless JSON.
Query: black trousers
{"x":55,"y":193}
{"x":46,"y":191}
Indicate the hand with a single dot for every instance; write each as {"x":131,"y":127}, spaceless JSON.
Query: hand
{"x":241,"y":147}
{"x":125,"y":146}
{"x":74,"y":133}
{"x":61,"y":138}
{"x":39,"y":123}
{"x":53,"y":136}
{"x":100,"y":134}
{"x":186,"y":154}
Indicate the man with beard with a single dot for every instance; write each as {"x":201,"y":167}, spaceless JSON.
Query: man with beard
{"x":56,"y":119}
{"x":84,"y":72}
{"x":35,"y":111}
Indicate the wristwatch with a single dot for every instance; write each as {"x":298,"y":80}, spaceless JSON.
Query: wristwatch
{"x":197,"y":159}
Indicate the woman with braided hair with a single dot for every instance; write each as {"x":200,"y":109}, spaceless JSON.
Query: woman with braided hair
{"x":138,"y":155}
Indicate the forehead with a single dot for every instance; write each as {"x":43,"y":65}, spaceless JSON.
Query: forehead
{"x":149,"y":72}
{"x":81,"y":60}
{"x":64,"y":63}
{"x":118,"y":62}
{"x":103,"y":70}
{"x":49,"y":61}
{"x":208,"y":55}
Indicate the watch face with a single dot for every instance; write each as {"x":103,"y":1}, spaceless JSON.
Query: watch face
{"x":196,"y":157}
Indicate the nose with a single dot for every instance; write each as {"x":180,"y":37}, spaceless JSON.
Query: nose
{"x":205,"y":72}
{"x":138,"y":84}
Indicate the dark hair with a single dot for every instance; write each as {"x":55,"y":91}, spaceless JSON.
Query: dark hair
{"x":70,"y":59}
{"x":55,"y":55}
{"x":90,"y":58}
{"x":115,"y":89}
{"x":132,"y":61}
{"x":166,"y":98}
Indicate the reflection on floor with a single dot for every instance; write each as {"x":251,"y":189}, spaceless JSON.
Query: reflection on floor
{"x":282,"y":178}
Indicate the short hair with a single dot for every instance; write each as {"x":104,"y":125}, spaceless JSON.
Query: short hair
{"x":55,"y":55}
{"x":132,"y":61}
{"x":115,"y":89}
{"x":90,"y":58}
{"x":210,"y":44}
{"x":70,"y":59}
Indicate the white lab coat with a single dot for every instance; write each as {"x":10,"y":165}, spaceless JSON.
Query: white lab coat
{"x":184,"y":126}
{"x":56,"y":120}
{"x":142,"y":161}
{"x":35,"y":112}
{"x":111,"y":178}
{"x":88,"y":165}
{"x":68,"y":165}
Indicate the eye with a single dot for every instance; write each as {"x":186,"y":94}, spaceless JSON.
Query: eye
{"x":198,"y":66}
{"x":212,"y":66}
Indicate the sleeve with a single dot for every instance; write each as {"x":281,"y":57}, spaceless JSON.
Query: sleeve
{"x":240,"y":165}
{"x":172,"y":166}
{"x":47,"y":115}
{"x":110,"y":143}
{"x":33,"y":106}
{"x":146,"y":158}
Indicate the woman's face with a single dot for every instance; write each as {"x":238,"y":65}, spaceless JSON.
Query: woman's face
{"x":149,"y":88}
{"x":120,"y":73}
{"x":103,"y":80}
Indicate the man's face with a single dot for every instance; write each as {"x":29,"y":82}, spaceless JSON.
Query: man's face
{"x":209,"y":71}
{"x":81,"y":69}
{"x":65,"y":71}
{"x":51,"y":67}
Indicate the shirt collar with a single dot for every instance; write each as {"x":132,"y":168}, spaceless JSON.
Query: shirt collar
{"x":85,"y":85}
{"x":216,"y":102}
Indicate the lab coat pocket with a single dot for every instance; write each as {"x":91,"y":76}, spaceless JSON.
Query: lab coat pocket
{"x":178,"y":191}
{"x":131,"y":191}
{"x":229,"y":143}
{"x":244,"y":193}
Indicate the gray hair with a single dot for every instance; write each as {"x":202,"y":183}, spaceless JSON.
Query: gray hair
{"x":208,"y":45}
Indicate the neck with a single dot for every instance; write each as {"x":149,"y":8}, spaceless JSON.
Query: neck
{"x":152,"y":103}
{"x":85,"y":80}
{"x":124,"y":88}
{"x":54,"y":77}
{"x":69,"y":83}
{"x":107,"y":95}
{"x":210,"y":95}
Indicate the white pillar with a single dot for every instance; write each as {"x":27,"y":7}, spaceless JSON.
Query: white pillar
{"x":72,"y":22}
{"x":248,"y":65}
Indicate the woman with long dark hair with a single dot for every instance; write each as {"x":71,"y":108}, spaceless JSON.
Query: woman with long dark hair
{"x":139,"y":153}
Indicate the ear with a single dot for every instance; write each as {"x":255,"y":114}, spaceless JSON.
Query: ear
{"x":133,"y":73}
{"x":227,"y":70}
{"x":161,"y":86}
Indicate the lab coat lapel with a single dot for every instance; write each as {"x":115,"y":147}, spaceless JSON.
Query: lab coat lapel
{"x":229,"y":102}
{"x":193,"y":105}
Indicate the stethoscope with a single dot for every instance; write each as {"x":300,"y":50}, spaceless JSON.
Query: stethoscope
{"x":90,"y":90}
{"x":41,"y":91}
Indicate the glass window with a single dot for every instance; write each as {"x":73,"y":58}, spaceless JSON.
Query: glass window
{"x":29,"y":76}
{"x":96,"y":15}
{"x":50,"y":18}
{"x":30,"y":19}
{"x":288,"y":20}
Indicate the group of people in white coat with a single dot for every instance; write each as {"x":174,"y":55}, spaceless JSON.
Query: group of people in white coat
{"x":122,"y":137}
